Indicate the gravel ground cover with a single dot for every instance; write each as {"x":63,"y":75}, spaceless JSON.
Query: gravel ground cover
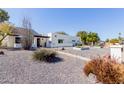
{"x":17,"y":67}
{"x":90,"y":53}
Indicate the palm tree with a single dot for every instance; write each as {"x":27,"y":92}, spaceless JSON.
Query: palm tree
{"x":92,"y":38}
{"x":119,"y":37}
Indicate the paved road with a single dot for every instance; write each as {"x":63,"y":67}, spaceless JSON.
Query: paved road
{"x":18,"y":67}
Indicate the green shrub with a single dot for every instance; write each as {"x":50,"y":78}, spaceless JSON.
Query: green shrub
{"x":79,"y":46}
{"x":44,"y":55}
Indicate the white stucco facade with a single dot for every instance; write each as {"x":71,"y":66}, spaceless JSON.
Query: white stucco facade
{"x":59,"y":40}
{"x":51,"y":40}
{"x":117,"y":52}
{"x":10,"y":42}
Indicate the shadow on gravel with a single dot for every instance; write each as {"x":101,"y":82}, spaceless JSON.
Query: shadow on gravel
{"x":14,"y":49}
{"x":19,"y":49}
{"x":54,"y":60}
{"x":51,"y":60}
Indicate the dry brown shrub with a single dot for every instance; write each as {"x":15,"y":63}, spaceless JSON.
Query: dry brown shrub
{"x":106,"y":70}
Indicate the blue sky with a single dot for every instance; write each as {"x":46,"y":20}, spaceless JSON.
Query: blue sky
{"x":106,"y":22}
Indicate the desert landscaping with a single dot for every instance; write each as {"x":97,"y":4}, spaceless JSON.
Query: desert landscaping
{"x":29,"y":54}
{"x":19,"y":67}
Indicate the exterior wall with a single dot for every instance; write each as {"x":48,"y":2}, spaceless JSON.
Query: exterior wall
{"x":117,"y":51}
{"x":17,"y":45}
{"x":43,"y":41}
{"x":9,"y":41}
{"x":4,"y":42}
{"x":35,"y":42}
{"x":67,"y":40}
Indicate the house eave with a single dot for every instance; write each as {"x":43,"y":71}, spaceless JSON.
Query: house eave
{"x":41,"y":36}
{"x":14,"y":35}
{"x":34,"y":36}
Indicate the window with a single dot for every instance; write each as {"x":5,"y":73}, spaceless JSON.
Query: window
{"x":17,"y":40}
{"x":73,"y":40}
{"x":60,"y":41}
{"x":55,"y":35}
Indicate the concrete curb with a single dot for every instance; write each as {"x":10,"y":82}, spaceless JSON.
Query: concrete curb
{"x":80,"y":57}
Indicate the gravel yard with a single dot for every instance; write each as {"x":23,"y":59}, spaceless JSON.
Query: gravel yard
{"x":91,"y":53}
{"x":18,"y":67}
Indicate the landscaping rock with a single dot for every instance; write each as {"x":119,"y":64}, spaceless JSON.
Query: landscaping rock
{"x":17,"y":67}
{"x":1,"y":53}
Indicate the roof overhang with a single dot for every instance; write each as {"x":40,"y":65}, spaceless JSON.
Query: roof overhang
{"x":34,"y":36}
{"x":41,"y":36}
{"x":14,"y":35}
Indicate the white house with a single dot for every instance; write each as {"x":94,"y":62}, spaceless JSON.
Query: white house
{"x":14,"y":40}
{"x":38,"y":40}
{"x":59,"y":40}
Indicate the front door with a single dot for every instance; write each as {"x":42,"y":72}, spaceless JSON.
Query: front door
{"x":38,"y":42}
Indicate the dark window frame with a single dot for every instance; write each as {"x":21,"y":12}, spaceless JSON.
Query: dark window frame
{"x":17,"y":40}
{"x":60,"y":41}
{"x":73,"y":40}
{"x":55,"y":35}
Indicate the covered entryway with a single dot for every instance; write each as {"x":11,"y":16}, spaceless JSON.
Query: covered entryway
{"x":38,"y":42}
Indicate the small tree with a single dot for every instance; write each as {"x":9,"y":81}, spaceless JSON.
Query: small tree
{"x":28,"y":36}
{"x":114,"y":40}
{"x":107,"y":40}
{"x":88,"y":38}
{"x":3,"y":15}
{"x":83,"y":36}
{"x":5,"y":30}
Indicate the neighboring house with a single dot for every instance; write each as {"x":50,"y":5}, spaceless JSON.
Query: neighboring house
{"x":14,"y":41}
{"x":59,"y":40}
